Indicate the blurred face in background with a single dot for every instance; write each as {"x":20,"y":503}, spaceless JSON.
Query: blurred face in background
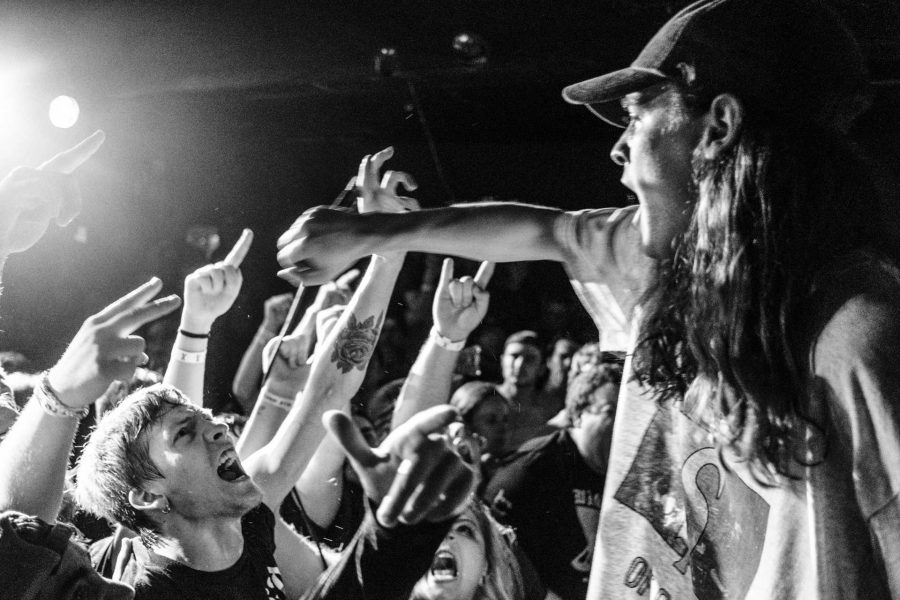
{"x":490,"y":420}
{"x":521,"y":364}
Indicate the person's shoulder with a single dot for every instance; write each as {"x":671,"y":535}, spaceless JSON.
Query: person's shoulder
{"x":533,"y":451}
{"x":855,"y":308}
{"x":857,"y":298}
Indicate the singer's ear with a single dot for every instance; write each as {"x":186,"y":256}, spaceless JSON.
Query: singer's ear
{"x":721,"y":126}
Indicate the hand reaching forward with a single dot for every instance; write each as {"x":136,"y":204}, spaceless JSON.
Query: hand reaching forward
{"x":375,"y":196}
{"x":211,"y":290}
{"x":460,"y":304}
{"x":104,"y":350}
{"x":31,"y":198}
{"x":415,"y":474}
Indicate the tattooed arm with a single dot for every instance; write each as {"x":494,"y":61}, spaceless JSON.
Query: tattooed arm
{"x":337,"y":372}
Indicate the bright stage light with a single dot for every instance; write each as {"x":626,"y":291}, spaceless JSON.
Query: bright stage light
{"x":64,"y":111}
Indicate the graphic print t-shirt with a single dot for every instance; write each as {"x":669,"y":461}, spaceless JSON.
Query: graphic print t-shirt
{"x":549,"y":495}
{"x":254,"y":576}
{"x":677,"y":523}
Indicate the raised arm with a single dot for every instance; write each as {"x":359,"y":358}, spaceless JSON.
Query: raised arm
{"x":458,"y":308}
{"x":35,"y":452}
{"x":208,"y":293}
{"x":245,"y":385}
{"x":31,"y":198}
{"x":322,"y":241}
{"x":290,"y":368}
{"x":338,"y":370}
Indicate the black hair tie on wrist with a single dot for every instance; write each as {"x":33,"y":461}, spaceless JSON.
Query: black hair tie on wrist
{"x":191,"y":334}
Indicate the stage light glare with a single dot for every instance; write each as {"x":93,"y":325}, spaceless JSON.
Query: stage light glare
{"x":64,"y":111}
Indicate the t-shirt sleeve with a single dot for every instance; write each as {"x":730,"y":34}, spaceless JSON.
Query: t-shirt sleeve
{"x":606,"y":266}
{"x":856,"y":355}
{"x":259,"y":529}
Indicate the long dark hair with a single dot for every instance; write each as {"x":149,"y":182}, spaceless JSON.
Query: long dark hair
{"x":726,"y":312}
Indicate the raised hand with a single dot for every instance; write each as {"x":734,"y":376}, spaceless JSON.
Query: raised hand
{"x":415,"y":474}
{"x":460,"y":304}
{"x":211,"y":290}
{"x":275,"y":311}
{"x":289,"y":370}
{"x":379,"y":194}
{"x":31,"y":198}
{"x":104,"y":350}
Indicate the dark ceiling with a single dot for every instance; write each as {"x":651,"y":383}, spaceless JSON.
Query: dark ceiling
{"x":289,"y":58}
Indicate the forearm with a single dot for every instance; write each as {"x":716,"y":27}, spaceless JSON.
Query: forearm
{"x":34,"y":457}
{"x":187,"y":363}
{"x":262,"y":425}
{"x":495,"y":231}
{"x":322,"y":483}
{"x":246,"y":380}
{"x":337,"y":372}
{"x":428,"y":383}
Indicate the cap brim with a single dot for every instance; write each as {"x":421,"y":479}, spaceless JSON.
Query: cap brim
{"x":601,"y":94}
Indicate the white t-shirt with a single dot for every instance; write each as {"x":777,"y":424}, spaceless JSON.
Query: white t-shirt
{"x":677,"y":523}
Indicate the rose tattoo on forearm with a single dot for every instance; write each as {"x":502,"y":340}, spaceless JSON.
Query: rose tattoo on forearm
{"x":356,"y":342}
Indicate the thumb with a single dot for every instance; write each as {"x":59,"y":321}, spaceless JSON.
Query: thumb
{"x":342,"y":429}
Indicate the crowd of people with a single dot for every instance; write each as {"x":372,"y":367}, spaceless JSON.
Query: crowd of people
{"x":731,"y":434}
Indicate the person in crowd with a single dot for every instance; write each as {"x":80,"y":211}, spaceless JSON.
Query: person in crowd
{"x":478,"y":560}
{"x":161,"y":466}
{"x":549,"y":490}
{"x":559,"y":359}
{"x":754,"y":446}
{"x":486,"y":412}
{"x":523,"y":369}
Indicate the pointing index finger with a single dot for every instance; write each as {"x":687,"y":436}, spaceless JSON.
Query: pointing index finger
{"x":69,"y":160}
{"x":239,"y":252}
{"x":446,"y":275}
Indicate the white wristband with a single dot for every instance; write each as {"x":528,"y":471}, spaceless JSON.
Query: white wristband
{"x":445,"y":342}
{"x":189,"y":357}
{"x":278,"y":401}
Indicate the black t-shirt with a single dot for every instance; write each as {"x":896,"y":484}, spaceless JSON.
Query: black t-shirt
{"x":255,"y":575}
{"x":551,"y":497}
{"x":343,"y":527}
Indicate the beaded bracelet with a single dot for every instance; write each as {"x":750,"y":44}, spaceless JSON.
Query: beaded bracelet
{"x":52,"y":405}
{"x":189,"y":357}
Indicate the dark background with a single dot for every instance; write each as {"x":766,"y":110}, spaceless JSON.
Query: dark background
{"x":234,"y":114}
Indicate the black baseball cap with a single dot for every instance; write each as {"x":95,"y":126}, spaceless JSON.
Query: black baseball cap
{"x":792,"y":57}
